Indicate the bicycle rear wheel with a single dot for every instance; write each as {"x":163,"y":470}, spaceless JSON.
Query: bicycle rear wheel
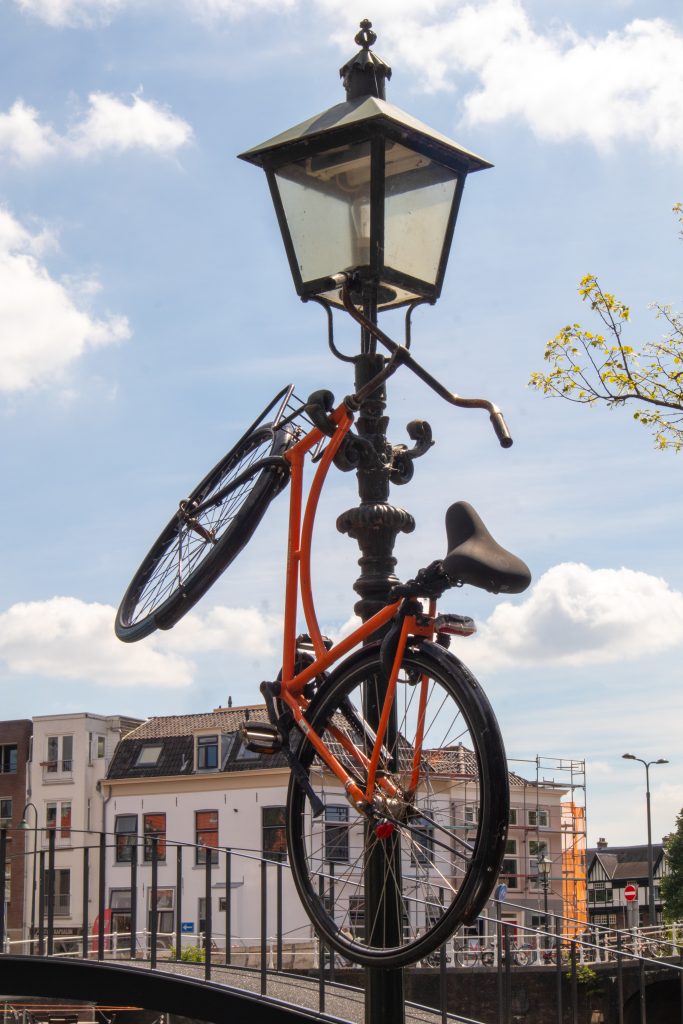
{"x":440,"y":863}
{"x":196,"y":547}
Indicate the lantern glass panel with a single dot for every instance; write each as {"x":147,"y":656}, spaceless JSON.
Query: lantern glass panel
{"x":418,"y":201}
{"x":326,"y":201}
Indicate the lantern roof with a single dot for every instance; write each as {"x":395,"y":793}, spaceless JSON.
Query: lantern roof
{"x":370,"y":110}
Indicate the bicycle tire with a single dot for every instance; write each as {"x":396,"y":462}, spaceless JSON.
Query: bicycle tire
{"x":183,"y":564}
{"x":461,"y":739}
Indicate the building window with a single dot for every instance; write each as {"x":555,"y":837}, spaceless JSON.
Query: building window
{"x":62,"y":902}
{"x":8,"y":758}
{"x":125,"y":829}
{"x":148,"y":755}
{"x":206,"y":836}
{"x":60,"y":752}
{"x":601,"y":892}
{"x":336,"y":834}
{"x":422,"y":841}
{"x":608,"y":919}
{"x":274,"y":833}
{"x":120,"y":904}
{"x":5,"y":811}
{"x":165,"y":915}
{"x":538,"y":818}
{"x":512,"y":819}
{"x":509,"y":872}
{"x":472,"y":815}
{"x":357,"y":916}
{"x":101,"y":746}
{"x":154,"y":825}
{"x":59,"y":811}
{"x":207,"y":753}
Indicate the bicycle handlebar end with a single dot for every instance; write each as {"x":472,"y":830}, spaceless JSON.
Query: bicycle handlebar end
{"x":501,"y":429}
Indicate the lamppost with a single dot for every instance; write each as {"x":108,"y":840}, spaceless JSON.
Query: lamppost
{"x":367,"y":191}
{"x":23,"y":824}
{"x":650,"y":869}
{"x":544,"y":867}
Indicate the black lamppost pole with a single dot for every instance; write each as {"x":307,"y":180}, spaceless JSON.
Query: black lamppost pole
{"x":650,"y":867}
{"x":544,"y":867}
{"x":367,"y":194}
{"x":23,"y":824}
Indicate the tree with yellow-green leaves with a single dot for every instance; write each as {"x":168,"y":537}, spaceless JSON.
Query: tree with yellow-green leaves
{"x":587,"y":367}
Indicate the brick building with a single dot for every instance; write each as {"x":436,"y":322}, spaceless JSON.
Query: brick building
{"x":15,"y":741}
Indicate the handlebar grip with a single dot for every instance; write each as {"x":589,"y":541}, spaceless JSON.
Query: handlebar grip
{"x":501,"y":429}
{"x":319,"y":404}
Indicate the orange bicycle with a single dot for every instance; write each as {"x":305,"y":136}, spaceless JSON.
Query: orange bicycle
{"x":387,"y":721}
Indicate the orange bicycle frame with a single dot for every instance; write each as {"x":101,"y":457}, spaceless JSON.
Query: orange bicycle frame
{"x":298,"y":576}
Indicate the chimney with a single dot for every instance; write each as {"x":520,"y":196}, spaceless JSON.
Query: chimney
{"x":602,"y":843}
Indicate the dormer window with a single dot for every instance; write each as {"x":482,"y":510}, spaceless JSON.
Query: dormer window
{"x":207,"y":753}
{"x":149,"y":755}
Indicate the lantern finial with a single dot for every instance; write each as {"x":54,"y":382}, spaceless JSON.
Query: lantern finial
{"x":366,"y":73}
{"x":366,"y":37}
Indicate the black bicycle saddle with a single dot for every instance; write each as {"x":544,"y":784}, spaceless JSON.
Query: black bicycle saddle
{"x":474,"y":557}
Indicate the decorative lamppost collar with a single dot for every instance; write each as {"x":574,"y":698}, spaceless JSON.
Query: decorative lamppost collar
{"x":366,"y":73}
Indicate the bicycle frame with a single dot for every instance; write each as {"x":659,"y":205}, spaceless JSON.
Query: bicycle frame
{"x":298,"y":577}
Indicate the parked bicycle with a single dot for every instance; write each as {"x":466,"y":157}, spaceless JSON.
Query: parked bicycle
{"x":391,"y":724}
{"x":475,"y":954}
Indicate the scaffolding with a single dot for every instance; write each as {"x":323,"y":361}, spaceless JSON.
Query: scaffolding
{"x":566,"y":779}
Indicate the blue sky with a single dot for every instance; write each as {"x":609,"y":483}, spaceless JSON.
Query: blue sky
{"x":147,"y":313}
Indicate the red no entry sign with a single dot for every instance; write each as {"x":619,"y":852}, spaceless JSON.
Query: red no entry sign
{"x":630,"y":892}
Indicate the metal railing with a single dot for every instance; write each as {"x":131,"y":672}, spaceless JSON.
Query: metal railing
{"x":569,"y":953}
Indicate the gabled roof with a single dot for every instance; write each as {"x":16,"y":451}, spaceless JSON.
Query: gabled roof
{"x":460,"y":761}
{"x":624,"y":863}
{"x":175,"y":734}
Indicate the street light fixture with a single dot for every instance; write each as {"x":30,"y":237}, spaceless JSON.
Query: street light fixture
{"x":23,"y":824}
{"x":366,"y":189}
{"x":544,"y":868}
{"x":652,"y":914}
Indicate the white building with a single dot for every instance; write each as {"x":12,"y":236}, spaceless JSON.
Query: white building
{"x":189,"y":780}
{"x":69,"y":758}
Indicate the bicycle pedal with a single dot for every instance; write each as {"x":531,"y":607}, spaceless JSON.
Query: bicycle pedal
{"x":261,"y":737}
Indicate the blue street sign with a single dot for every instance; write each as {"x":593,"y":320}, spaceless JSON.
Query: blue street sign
{"x":186,"y":926}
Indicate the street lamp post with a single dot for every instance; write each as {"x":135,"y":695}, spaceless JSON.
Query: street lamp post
{"x":544,"y":868}
{"x":366,"y":193}
{"x":650,"y":869}
{"x":23,"y":824}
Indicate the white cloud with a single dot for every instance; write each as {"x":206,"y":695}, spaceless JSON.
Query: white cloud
{"x":42,"y":329}
{"x":59,"y":13}
{"x":111,"y":124}
{"x":625,"y":84}
{"x":65,"y":638}
{"x":578,"y":616}
{"x":241,"y":631}
{"x":236,"y":8}
{"x":108,"y":125}
{"x":89,"y":13}
{"x":22,"y":138}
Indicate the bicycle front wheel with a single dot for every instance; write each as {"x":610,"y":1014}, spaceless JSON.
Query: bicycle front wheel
{"x":210,"y":529}
{"x":436,"y":848}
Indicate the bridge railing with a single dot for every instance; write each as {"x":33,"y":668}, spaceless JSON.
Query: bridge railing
{"x":281,"y":944}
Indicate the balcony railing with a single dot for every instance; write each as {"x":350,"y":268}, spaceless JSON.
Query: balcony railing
{"x":59,"y":769}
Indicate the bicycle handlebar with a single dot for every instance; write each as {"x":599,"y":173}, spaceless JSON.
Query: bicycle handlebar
{"x":401,"y":355}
